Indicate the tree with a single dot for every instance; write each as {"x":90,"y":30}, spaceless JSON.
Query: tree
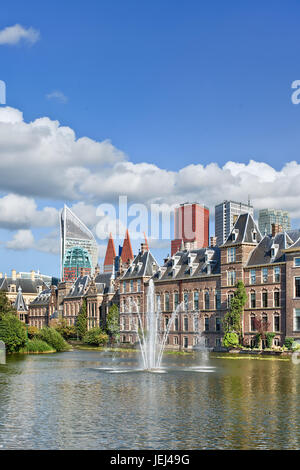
{"x":5,"y":305}
{"x":233,"y":319}
{"x":95,"y":337}
{"x":12,"y":332}
{"x":53,"y":338}
{"x":61,"y":325}
{"x":230,"y":340}
{"x":113,"y":323}
{"x":261,"y":326}
{"x":81,"y":321}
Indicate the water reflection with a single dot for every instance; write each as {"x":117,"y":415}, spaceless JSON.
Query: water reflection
{"x":77,"y":400}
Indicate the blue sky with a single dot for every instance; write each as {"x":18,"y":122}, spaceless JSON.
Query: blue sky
{"x":169,"y":83}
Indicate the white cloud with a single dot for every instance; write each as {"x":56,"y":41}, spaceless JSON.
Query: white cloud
{"x":12,"y":35}
{"x":57,"y":96}
{"x":22,"y":240}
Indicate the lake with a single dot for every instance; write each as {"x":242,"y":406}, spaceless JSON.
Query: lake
{"x":98,"y":400}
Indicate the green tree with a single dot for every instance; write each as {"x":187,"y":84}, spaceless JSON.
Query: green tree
{"x":230,"y":340}
{"x":67,"y":331}
{"x":53,"y":338}
{"x":113,"y":323}
{"x":95,"y":337}
{"x":233,"y":319}
{"x":81,"y":321}
{"x":5,"y":305}
{"x":12,"y":332}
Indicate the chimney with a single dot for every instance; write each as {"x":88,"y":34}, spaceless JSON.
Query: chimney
{"x":276,"y":228}
{"x":97,"y":270}
{"x":143,"y":248}
{"x":1,"y":275}
{"x":213,"y":241}
{"x":13,"y":274}
{"x":32,"y":275}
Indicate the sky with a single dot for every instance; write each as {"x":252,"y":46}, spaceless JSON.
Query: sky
{"x":162,"y":101}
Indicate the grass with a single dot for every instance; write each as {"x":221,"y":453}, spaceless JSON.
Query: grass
{"x":37,"y":346}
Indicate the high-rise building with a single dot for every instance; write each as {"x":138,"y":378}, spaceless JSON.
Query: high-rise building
{"x":77,"y":262}
{"x":267,"y":217}
{"x":191,"y":227}
{"x":226,"y":215}
{"x":74,"y":233}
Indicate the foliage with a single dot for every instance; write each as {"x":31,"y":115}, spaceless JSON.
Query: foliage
{"x":36,"y":345}
{"x":95,"y":336}
{"x":258,"y":340}
{"x":12,"y":332}
{"x":230,"y":340}
{"x":5,"y":305}
{"x":113,"y":323}
{"x":232,"y":322}
{"x":32,"y":331}
{"x":67,"y":331}
{"x":269,"y":339}
{"x":288,"y":342}
{"x":81,"y":321}
{"x":53,"y":338}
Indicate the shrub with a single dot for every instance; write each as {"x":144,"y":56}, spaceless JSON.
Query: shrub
{"x":96,"y":337}
{"x":67,"y":331}
{"x":32,"y":331}
{"x":113,"y":323}
{"x":81,"y":321}
{"x":36,"y":345}
{"x":269,"y":339}
{"x":288,"y":342}
{"x":13,"y":333}
{"x":53,"y":338}
{"x":230,"y":340}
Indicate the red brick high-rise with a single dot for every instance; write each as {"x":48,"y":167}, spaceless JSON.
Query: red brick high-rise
{"x":191,"y":227}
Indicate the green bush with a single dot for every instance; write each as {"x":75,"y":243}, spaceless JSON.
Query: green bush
{"x":288,"y":342}
{"x":96,"y":337}
{"x":13,"y":333}
{"x":230,"y":340}
{"x":53,"y":338}
{"x":269,"y":339}
{"x":36,"y":345}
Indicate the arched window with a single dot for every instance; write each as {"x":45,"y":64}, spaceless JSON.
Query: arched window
{"x":206,"y":300}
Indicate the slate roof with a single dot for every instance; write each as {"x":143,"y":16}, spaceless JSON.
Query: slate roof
{"x":42,"y":299}
{"x":144,"y":264}
{"x":190,"y":264}
{"x":19,"y":303}
{"x":103,"y":283}
{"x":281,"y":242}
{"x":244,"y":229}
{"x":79,"y":287}
{"x":27,"y":285}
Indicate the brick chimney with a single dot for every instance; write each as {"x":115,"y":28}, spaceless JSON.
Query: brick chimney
{"x":32,"y":275}
{"x":213,"y":241}
{"x":276,"y":228}
{"x":13,"y":274}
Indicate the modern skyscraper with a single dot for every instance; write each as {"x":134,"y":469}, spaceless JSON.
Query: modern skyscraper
{"x":226,"y":215}
{"x":77,"y":262}
{"x":191,"y":227}
{"x":74,"y":233}
{"x":267,"y":217}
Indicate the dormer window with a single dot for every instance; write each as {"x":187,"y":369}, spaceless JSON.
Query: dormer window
{"x":235,"y":235}
{"x":254,"y":235}
{"x":274,"y":250}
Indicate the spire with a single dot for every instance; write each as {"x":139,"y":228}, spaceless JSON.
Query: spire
{"x":19,"y":304}
{"x":127,"y":253}
{"x":110,"y":255}
{"x":146,"y":243}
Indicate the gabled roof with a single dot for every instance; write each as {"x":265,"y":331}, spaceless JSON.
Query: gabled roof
{"x":42,"y":299}
{"x":110,"y":252}
{"x":27,"y":285}
{"x":143,"y":265}
{"x":243,"y":230}
{"x":19,"y":303}
{"x":262,"y":252}
{"x":79,"y":287}
{"x":190,"y":264}
{"x":127,"y":253}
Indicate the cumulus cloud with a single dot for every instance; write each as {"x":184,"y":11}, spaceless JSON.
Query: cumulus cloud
{"x":12,"y":35}
{"x":57,"y":96}
{"x":22,"y":240}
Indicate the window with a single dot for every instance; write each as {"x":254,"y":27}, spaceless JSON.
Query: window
{"x":231,"y":255}
{"x":186,"y":300}
{"x":265,"y":299}
{"x":277,"y":274}
{"x":167,"y":301}
{"x":139,"y":285}
{"x":276,"y":342}
{"x":276,"y":298}
{"x":185,"y":324}
{"x":176,"y":324}
{"x":196,"y":300}
{"x":252,"y":276}
{"x":276,"y":323}
{"x":218,"y":299}
{"x":158,"y":301}
{"x":206,"y":342}
{"x":264,"y":275}
{"x":124,"y":286}
{"x":297,"y":286}
{"x":166,"y":323}
{"x":206,"y":300}
{"x":218,"y":342}
{"x":176,"y":300}
{"x":185,"y":342}
{"x":297,"y":319}
{"x":218,"y":324}
{"x":231,"y":278}
{"x":131,"y":285}
{"x":252,"y":300}
{"x":265,"y":322}
{"x":229,"y":297}
{"x":252,"y":323}
{"x":297,"y":262}
{"x":175,"y":340}
{"x":196,"y":324}
{"x":206,"y":324}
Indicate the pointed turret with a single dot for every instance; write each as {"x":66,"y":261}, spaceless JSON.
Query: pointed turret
{"x":127,"y":253}
{"x":110,"y":255}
